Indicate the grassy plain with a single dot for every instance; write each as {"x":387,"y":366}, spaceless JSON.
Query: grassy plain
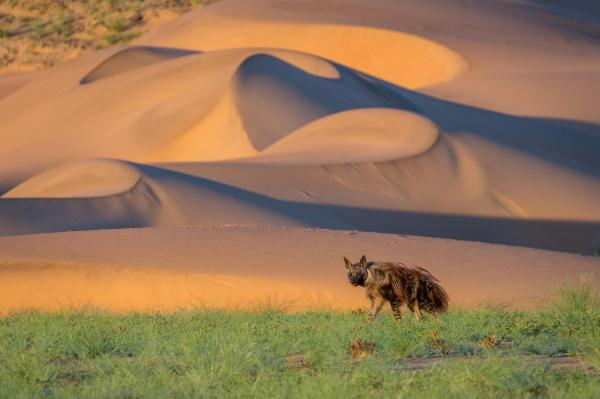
{"x":488,"y":352}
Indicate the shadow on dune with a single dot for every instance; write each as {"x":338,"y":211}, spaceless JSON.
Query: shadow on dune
{"x":583,"y":127}
{"x":562,"y":235}
{"x":53,"y":215}
{"x":573,"y":144}
{"x":134,"y":208}
{"x":568,"y":236}
{"x":580,"y":9}
{"x":568,"y":143}
{"x":275,"y":98}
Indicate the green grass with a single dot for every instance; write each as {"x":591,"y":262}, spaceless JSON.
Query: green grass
{"x":6,"y":33}
{"x":115,"y":38}
{"x":243,"y":354}
{"x":62,"y":24}
{"x":116,"y":24}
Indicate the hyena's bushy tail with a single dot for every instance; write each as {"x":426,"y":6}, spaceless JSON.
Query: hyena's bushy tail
{"x":438,"y":296}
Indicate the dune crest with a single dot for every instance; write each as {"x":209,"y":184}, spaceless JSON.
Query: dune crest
{"x":343,"y":138}
{"x":132,"y":58}
{"x":401,"y":58}
{"x":88,"y":178}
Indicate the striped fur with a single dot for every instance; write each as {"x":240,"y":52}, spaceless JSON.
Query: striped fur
{"x":398,"y":284}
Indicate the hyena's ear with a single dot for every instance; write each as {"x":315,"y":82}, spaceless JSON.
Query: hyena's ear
{"x":348,"y":263}
{"x":363,"y":261}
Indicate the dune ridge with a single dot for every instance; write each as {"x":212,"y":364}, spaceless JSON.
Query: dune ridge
{"x":340,"y":138}
{"x":88,"y":178}
{"x":411,"y":61}
{"x":132,"y":58}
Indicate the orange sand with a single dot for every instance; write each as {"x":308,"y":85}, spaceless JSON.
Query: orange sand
{"x":248,"y":267}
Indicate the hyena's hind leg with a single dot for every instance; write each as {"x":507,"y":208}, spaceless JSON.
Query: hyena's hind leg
{"x":414,"y":306}
{"x":397,"y":309}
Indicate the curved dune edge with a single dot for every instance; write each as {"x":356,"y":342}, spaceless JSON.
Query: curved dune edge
{"x":272,"y":95}
{"x":410,"y":61}
{"x":132,"y":58}
{"x":361,"y":135}
{"x":213,"y":106}
{"x":135,"y":57}
{"x":308,"y":63}
{"x":292,"y":269}
{"x":88,"y":178}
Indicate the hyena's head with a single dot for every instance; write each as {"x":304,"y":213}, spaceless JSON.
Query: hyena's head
{"x":357,"y":272}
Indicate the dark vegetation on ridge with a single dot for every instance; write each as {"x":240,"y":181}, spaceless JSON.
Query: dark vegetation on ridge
{"x":41,"y":33}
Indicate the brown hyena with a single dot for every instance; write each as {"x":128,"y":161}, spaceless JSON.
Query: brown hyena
{"x":398,"y":284}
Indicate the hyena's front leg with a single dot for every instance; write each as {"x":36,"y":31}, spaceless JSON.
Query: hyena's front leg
{"x":397,"y":309}
{"x":376,"y":305}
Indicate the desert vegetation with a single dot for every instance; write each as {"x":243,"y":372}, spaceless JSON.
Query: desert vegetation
{"x":38,"y":34}
{"x":489,"y":352}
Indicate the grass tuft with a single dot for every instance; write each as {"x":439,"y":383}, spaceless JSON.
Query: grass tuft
{"x":116,"y":38}
{"x":116,"y":24}
{"x":5,"y":33}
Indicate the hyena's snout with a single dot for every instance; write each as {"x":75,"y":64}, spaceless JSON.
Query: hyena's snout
{"x":356,"y":279}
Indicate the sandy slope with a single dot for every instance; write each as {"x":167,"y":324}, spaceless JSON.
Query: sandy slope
{"x":231,"y":266}
{"x":477,"y":123}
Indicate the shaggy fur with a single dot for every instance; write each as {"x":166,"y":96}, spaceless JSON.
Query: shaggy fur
{"x":398,"y":284}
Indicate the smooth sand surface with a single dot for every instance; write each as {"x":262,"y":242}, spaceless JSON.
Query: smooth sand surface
{"x":249,"y":267}
{"x":475,"y":121}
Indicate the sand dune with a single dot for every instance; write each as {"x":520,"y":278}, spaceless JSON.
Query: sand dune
{"x":242,"y":267}
{"x":219,"y":105}
{"x":411,"y":61}
{"x":101,"y":194}
{"x":84,"y":195}
{"x":341,"y":138}
{"x":476,"y":123}
{"x":133,"y":58}
{"x":365,"y":197}
{"x":10,"y":82}
{"x":93,"y":178}
{"x":555,"y":96}
{"x":385,"y":148}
